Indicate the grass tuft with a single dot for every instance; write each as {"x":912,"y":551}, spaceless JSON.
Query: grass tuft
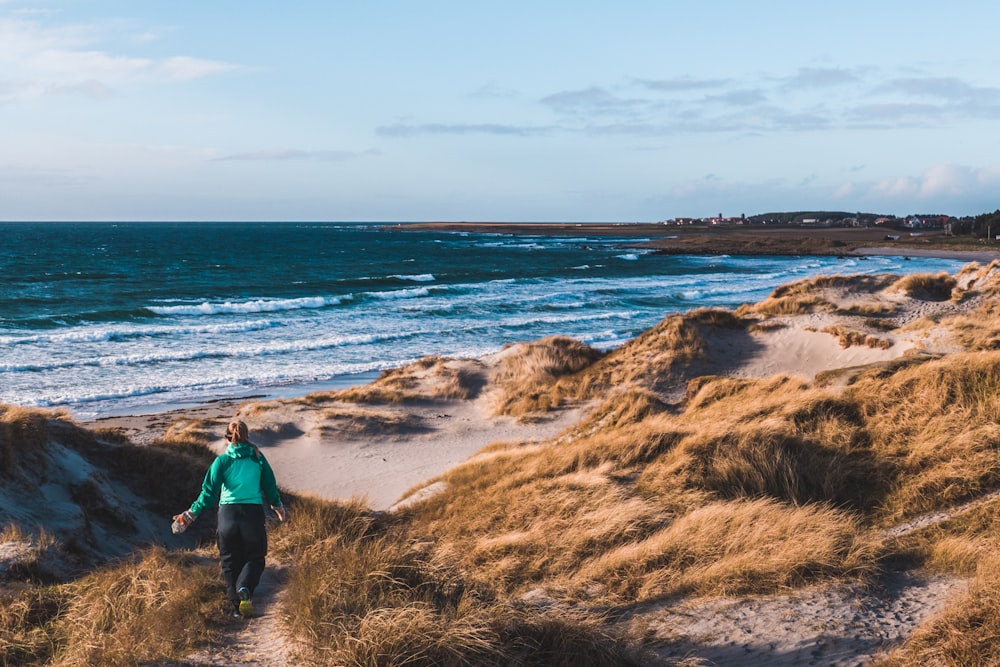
{"x":362,"y":593}
{"x":23,"y":438}
{"x":848,"y":338}
{"x":527,"y":374}
{"x":926,"y":286}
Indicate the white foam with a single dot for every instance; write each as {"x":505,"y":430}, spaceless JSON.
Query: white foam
{"x":118,"y":333}
{"x":255,"y":306}
{"x":412,"y":293}
{"x":418,"y":278}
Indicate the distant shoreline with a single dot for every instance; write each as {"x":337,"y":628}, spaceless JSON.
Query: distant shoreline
{"x":742,"y":239}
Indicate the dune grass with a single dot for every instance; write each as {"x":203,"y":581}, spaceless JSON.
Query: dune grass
{"x":363,"y":593}
{"x":360,"y":422}
{"x":26,"y":615}
{"x":979,"y":329}
{"x":927,"y":286}
{"x":429,"y":378}
{"x":527,"y":373}
{"x":23,"y":437}
{"x":820,"y":467}
{"x":821,"y":293}
{"x":503,"y":515}
{"x":655,"y":359}
{"x":735,"y":548}
{"x":877,"y":308}
{"x":849,"y":338}
{"x":154,"y":607}
{"x":534,"y":378}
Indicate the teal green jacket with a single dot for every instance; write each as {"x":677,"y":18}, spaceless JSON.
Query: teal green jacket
{"x":240,"y":475}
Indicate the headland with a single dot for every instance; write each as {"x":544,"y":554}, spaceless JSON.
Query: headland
{"x":746,"y":239}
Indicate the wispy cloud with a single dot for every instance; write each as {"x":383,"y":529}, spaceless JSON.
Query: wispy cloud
{"x":45,"y":59}
{"x":822,"y":77}
{"x":739,"y":97}
{"x":589,"y":101}
{"x":945,"y":87}
{"x":91,"y":88}
{"x":805,"y":99}
{"x":281,"y":154}
{"x":896,"y":114}
{"x":186,"y":68}
{"x":411,"y":130}
{"x":681,"y":85}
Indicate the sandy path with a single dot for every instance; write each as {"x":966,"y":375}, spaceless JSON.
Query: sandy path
{"x":837,"y":625}
{"x":259,"y":641}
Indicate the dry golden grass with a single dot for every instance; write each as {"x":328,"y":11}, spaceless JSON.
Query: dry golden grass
{"x":527,"y":373}
{"x":734,"y":548}
{"x":936,"y":422}
{"x":877,"y":308}
{"x":362,"y":593}
{"x":926,"y":286}
{"x":30,"y":556}
{"x":979,"y":329}
{"x":850,"y":284}
{"x":964,"y":634}
{"x":766,"y":326}
{"x":23,"y":438}
{"x":825,"y":466}
{"x":361,"y":422}
{"x":810,"y":296}
{"x":432,"y":377}
{"x":26,"y":636}
{"x":656,"y":358}
{"x":544,"y":516}
{"x":956,"y":545}
{"x":156,"y":606}
{"x":622,"y":407}
{"x":848,"y":338}
{"x":798,"y":304}
{"x":879,"y":324}
{"x":983,"y":279}
{"x":195,"y":430}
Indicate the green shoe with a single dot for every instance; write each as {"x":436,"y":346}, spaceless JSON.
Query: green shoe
{"x":246,"y":607}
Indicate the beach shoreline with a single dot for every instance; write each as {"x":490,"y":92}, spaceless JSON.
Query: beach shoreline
{"x":457,"y":437}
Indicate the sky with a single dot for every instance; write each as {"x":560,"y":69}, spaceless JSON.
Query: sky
{"x":556,"y":110}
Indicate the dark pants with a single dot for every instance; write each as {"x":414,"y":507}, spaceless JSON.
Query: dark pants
{"x":242,"y":547}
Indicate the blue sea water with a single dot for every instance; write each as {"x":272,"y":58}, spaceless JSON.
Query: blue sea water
{"x":106,"y":318}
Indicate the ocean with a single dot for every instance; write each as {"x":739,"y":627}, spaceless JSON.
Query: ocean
{"x":118,"y":318}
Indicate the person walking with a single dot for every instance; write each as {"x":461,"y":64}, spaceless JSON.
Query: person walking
{"x":238,"y":481}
